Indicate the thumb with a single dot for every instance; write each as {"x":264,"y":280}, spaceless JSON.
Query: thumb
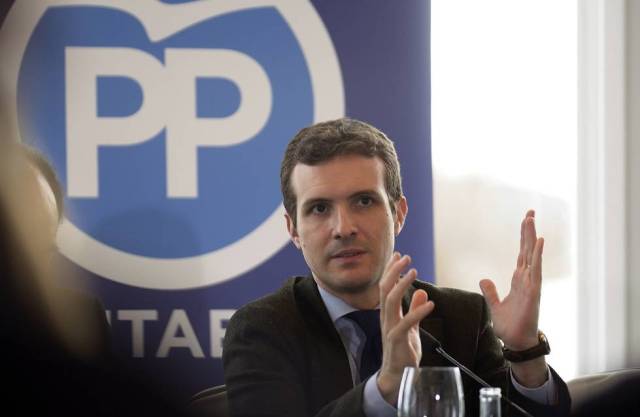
{"x":489,"y":292}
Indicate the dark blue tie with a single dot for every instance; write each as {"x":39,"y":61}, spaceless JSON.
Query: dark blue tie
{"x":369,"y":322}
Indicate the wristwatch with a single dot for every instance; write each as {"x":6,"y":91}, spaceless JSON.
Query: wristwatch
{"x":541,"y":349}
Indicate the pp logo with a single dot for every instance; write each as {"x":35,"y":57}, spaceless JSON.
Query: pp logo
{"x":167,"y":124}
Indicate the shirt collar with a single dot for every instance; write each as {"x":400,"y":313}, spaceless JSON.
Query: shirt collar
{"x":335,"y":305}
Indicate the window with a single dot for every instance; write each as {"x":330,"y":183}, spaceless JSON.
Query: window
{"x":504,"y":139}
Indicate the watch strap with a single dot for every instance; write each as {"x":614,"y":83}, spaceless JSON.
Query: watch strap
{"x":541,"y":349}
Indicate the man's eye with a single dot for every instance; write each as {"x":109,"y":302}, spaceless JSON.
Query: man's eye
{"x":365,"y":201}
{"x":319,"y":209}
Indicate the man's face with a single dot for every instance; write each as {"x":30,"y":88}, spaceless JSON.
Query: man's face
{"x":345,"y":226}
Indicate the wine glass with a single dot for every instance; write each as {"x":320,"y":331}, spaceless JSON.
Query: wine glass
{"x":431,"y":392}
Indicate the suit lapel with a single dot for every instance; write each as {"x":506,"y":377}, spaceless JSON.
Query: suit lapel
{"x":329,"y":364}
{"x":311,"y":304}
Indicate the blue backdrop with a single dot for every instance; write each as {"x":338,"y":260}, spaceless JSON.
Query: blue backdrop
{"x":167,"y":122}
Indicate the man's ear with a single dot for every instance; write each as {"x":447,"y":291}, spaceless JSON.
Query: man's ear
{"x":402,"y":208}
{"x":293,"y":232}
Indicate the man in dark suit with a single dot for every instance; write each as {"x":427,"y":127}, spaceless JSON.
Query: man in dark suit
{"x":336,"y":343}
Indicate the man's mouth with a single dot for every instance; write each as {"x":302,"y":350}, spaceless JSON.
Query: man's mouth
{"x":348,"y":253}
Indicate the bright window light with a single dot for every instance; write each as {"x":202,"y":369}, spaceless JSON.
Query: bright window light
{"x":504,"y":139}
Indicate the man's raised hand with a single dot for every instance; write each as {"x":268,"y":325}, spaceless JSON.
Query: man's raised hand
{"x":400,"y":334}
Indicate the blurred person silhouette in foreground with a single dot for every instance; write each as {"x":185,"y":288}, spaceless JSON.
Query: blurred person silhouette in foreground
{"x":53,"y":340}
{"x":77,"y":317}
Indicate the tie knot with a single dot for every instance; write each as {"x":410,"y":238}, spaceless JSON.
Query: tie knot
{"x":368,"y":320}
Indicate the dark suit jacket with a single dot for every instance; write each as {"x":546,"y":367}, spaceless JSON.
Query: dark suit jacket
{"x":283,"y":356}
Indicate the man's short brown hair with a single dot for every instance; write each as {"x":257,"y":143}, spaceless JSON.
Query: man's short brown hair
{"x":326,"y":140}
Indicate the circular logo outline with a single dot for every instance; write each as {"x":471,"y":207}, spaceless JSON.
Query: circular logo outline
{"x":252,"y":249}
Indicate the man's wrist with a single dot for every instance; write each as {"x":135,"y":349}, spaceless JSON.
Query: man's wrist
{"x":373,"y":403}
{"x":536,"y":349}
{"x":531,"y":374}
{"x":388,"y":387}
{"x":529,"y":343}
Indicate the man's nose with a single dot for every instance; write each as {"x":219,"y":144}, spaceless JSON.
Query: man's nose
{"x":344,"y":224}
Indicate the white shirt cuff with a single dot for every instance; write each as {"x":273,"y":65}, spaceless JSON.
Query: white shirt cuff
{"x":373,"y":404}
{"x":544,"y":394}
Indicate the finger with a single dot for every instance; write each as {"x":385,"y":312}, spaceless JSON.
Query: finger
{"x":489,"y":292}
{"x":389,"y":278}
{"x":392,"y":272}
{"x":394,"y":298}
{"x":396,"y":255}
{"x":391,"y":275}
{"x":536,"y":263}
{"x":410,"y":320}
{"x":530,"y":239}
{"x":418,"y":298}
{"x":521,"y":254}
{"x":520,"y":261}
{"x":393,"y":310}
{"x":522,"y":257}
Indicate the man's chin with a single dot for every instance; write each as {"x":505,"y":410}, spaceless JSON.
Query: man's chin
{"x":351,"y":285}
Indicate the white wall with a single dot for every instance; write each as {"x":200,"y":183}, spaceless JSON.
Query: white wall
{"x":602,"y":180}
{"x":633,"y":175}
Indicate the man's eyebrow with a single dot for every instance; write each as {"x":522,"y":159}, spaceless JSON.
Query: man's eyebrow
{"x":314,"y":201}
{"x":365,"y":192}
